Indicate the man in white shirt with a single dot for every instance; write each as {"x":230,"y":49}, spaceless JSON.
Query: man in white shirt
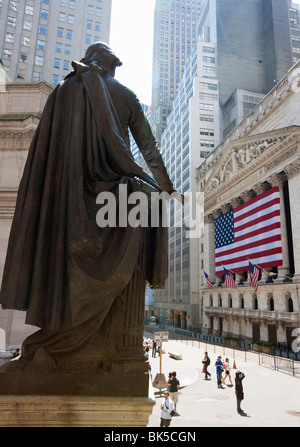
{"x":166,"y":409}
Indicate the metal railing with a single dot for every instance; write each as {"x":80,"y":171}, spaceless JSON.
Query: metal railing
{"x":217,"y":345}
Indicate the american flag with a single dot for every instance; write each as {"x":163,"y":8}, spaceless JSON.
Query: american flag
{"x":229,"y":279}
{"x":250,"y":231}
{"x":208,"y":280}
{"x":254,"y":274}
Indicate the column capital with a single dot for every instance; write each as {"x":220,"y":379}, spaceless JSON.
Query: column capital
{"x":277,"y":179}
{"x":292,"y":170}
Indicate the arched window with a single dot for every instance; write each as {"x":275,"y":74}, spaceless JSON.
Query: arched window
{"x":242,"y":302}
{"x":271,"y":304}
{"x":255,"y":303}
{"x":290,"y":305}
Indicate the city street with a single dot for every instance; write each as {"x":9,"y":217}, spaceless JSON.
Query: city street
{"x":272,"y":398}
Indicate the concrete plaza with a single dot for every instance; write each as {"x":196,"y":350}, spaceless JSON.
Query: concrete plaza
{"x":272,"y":398}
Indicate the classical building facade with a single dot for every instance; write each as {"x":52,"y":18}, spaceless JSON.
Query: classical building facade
{"x":263,"y":151}
{"x":21,"y":105}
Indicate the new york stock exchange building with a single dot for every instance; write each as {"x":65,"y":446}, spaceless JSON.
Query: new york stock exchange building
{"x":251,"y":186}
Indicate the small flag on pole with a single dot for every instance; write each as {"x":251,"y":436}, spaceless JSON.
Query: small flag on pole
{"x":208,"y":280}
{"x":254,"y":274}
{"x":229,"y":279}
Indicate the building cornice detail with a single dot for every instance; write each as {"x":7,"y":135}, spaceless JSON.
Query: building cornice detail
{"x":267,"y":153}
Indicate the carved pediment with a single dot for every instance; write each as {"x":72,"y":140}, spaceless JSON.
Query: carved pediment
{"x":243,"y":155}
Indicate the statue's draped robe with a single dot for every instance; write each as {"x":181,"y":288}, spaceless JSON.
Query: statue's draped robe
{"x":61,"y":268}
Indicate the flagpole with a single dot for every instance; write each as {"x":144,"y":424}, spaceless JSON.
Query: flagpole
{"x":234,"y":273}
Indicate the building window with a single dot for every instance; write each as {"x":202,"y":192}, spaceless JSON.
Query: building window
{"x":42,"y":29}
{"x":60,"y":32}
{"x":25,"y":41}
{"x":13,"y":6}
{"x":39,"y":60}
{"x":9,"y":38}
{"x":55,"y":79}
{"x":11,"y":21}
{"x":7,"y":54}
{"x":44,"y":14}
{"x":89,"y":24}
{"x":37,"y":76}
{"x":21,"y":73}
{"x":56,"y":63}
{"x":69,"y":34}
{"x":68,"y":49}
{"x":29,"y":10}
{"x":41,"y":45}
{"x":23,"y":57}
{"x":27,"y":25}
{"x":58,"y":47}
{"x":290,"y":305}
{"x":209,"y":60}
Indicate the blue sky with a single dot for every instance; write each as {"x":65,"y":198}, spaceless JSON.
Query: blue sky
{"x":131,"y":38}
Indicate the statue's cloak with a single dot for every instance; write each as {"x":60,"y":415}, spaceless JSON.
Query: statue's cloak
{"x":61,"y":267}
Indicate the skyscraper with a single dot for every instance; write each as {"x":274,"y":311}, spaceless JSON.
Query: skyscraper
{"x":40,"y":38}
{"x":295,"y":29}
{"x":175,"y":35}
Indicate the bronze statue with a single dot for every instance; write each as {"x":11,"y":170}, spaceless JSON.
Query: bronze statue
{"x":82,"y":285}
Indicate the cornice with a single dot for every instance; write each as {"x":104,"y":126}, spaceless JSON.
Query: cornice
{"x":256,"y":156}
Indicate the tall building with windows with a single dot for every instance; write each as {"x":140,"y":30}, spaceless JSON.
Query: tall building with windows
{"x":40,"y":38}
{"x":295,"y":30}
{"x":191,"y":134}
{"x":175,"y":36}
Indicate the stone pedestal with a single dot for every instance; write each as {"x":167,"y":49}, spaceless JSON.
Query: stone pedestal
{"x":73,"y":411}
{"x":119,"y":398}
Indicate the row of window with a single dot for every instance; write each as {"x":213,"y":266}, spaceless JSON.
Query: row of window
{"x":270,"y":303}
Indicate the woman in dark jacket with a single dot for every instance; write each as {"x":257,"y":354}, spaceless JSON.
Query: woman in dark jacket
{"x":239,"y":390}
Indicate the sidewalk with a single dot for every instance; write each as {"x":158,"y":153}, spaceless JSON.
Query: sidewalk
{"x":272,"y":399}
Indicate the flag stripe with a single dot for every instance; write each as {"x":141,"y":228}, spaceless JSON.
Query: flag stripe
{"x":263,"y":262}
{"x":262,"y":198}
{"x":255,"y":232}
{"x":252,"y":229}
{"x":251,"y":244}
{"x":260,"y":210}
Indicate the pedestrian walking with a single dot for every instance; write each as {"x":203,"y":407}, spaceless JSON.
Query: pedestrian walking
{"x":227,"y":372}
{"x":174,"y":387}
{"x":219,"y":370}
{"x":206,"y":363}
{"x":154,"y":348}
{"x":166,"y":409}
{"x":239,"y":377}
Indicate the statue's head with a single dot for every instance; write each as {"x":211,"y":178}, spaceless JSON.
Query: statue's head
{"x":100,"y":53}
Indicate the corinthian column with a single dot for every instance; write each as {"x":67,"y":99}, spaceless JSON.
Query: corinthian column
{"x":293,"y":174}
{"x":284,"y":270}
